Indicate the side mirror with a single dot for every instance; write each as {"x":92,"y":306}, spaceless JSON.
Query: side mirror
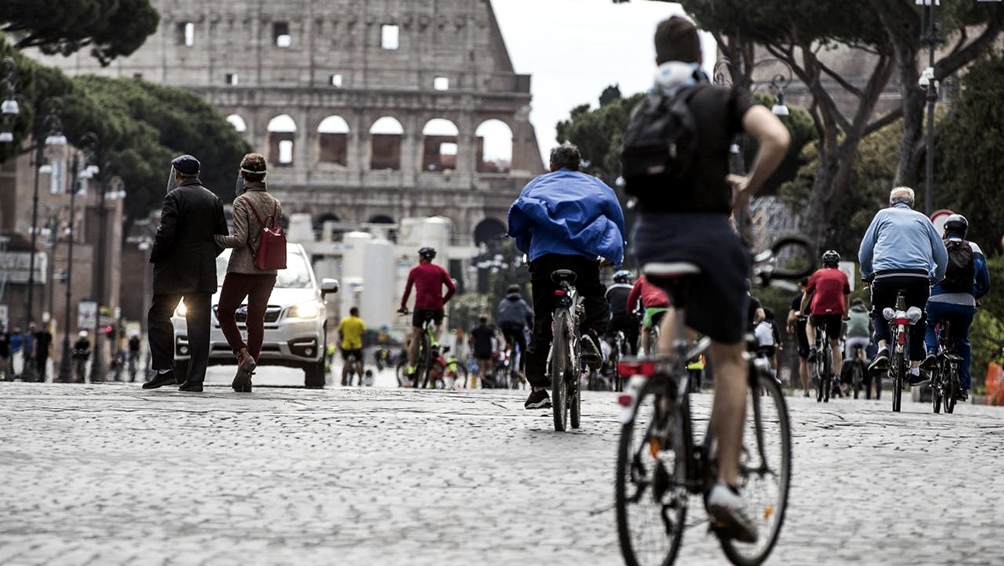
{"x":329,"y":286}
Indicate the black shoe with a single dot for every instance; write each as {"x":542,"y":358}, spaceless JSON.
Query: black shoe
{"x":538,"y":400}
{"x":812,"y":354}
{"x":962,"y":395}
{"x":160,"y":380}
{"x":919,"y":379}
{"x":880,"y":362}
{"x":929,"y":363}
{"x":191,"y":387}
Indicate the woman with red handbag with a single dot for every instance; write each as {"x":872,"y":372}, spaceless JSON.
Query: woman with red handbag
{"x":254,"y":211}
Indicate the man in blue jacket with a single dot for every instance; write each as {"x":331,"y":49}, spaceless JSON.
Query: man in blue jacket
{"x":901,"y":250}
{"x":566,"y":219}
{"x":955,"y":302}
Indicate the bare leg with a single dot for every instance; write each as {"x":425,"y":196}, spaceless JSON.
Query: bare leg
{"x":728,"y":413}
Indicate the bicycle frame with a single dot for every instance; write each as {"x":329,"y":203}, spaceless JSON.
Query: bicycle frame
{"x":564,"y":335}
{"x":900,"y":320}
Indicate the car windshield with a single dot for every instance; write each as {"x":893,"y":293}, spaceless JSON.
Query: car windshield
{"x":295,"y":276}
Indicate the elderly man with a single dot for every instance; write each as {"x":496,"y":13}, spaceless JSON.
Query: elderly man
{"x":901,"y":251}
{"x":184,"y":268}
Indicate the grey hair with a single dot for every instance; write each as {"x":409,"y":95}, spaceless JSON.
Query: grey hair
{"x":903,"y":195}
{"x":565,"y":155}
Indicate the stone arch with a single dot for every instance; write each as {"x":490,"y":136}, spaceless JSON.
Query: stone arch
{"x":439,"y":145}
{"x":281,"y":137}
{"x":320,"y":219}
{"x":381,"y":219}
{"x":333,"y":141}
{"x":238,"y":123}
{"x":489,"y":231}
{"x":386,"y":135}
{"x":494,"y":146}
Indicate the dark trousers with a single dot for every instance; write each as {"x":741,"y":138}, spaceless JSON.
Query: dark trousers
{"x":916,"y":290}
{"x":513,"y":334}
{"x":587,"y":283}
{"x":257,"y":289}
{"x":161,"y":331}
{"x":629,"y":325}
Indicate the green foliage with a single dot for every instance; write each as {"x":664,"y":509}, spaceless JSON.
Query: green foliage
{"x":112,"y":28}
{"x":987,"y":332}
{"x":968,"y":154}
{"x":598,"y":134}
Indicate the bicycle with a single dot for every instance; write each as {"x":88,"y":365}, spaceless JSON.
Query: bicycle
{"x":900,"y":319}
{"x":660,"y":463}
{"x":945,"y":376}
{"x":618,"y":352}
{"x":563,"y":365}
{"x":823,"y":367}
{"x":859,"y":373}
{"x":423,"y":361}
{"x":355,"y":369}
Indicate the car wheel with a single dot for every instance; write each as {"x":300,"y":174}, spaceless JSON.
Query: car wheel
{"x":313,"y":374}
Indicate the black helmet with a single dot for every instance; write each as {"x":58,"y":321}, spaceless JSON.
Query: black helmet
{"x":623,"y":276}
{"x":957,"y":224}
{"x":831,"y":257}
{"x":427,"y":252}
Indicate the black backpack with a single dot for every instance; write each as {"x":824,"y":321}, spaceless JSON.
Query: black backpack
{"x":960,"y":273}
{"x":660,"y":143}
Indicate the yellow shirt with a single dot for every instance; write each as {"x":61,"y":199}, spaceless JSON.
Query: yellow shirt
{"x":352,"y":329}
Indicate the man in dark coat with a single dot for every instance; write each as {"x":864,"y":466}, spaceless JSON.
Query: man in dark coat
{"x":184,"y":268}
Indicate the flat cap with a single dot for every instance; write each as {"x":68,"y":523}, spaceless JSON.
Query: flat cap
{"x":185,"y":164}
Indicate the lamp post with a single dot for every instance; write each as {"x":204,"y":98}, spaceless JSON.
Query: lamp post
{"x":88,"y":145}
{"x":930,"y":35}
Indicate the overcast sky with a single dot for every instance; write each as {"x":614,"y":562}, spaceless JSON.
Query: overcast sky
{"x":575,"y":48}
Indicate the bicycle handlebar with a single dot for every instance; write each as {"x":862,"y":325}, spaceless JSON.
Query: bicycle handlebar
{"x":765,"y":266}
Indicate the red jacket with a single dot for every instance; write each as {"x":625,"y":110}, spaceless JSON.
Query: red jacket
{"x":428,"y":280}
{"x":650,"y":295}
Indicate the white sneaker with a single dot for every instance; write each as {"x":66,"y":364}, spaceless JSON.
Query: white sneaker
{"x":728,"y":516}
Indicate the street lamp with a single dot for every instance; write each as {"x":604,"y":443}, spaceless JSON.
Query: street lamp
{"x":88,"y":146}
{"x":930,"y":34}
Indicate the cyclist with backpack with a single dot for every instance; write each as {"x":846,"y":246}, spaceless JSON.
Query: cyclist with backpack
{"x":901,"y":251}
{"x":622,"y":317}
{"x":954,"y":298}
{"x":684,"y":201}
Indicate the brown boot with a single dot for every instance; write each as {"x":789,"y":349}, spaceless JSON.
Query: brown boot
{"x":242,"y":381}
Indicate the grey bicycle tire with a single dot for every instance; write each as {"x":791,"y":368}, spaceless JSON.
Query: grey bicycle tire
{"x":558,"y":368}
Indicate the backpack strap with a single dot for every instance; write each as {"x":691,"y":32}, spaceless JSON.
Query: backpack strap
{"x":250,"y":205}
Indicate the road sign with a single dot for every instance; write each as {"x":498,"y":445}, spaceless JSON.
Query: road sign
{"x":938,"y":218}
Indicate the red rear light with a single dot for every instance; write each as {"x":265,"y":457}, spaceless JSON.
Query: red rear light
{"x":636,"y":367}
{"x":904,"y":321}
{"x":559,"y":292}
{"x":624,"y":400}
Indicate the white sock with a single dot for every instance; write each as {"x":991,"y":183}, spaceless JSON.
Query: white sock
{"x":162,"y":371}
{"x":914,"y":371}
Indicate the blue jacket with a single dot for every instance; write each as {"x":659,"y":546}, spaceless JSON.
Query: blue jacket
{"x":981,"y":283}
{"x":569,"y":213}
{"x":900,"y":238}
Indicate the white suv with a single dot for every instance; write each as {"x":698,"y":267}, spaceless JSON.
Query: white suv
{"x":296,"y":322}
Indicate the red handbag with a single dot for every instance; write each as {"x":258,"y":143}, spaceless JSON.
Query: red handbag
{"x":271,"y":252}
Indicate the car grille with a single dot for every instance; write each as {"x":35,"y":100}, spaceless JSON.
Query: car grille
{"x":272,"y":313}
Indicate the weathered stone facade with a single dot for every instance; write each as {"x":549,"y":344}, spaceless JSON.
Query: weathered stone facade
{"x":306,"y":80}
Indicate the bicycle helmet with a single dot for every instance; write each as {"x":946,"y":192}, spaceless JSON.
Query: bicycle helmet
{"x":427,"y":252}
{"x":831,"y":258}
{"x":957,"y":224}
{"x":623,"y":276}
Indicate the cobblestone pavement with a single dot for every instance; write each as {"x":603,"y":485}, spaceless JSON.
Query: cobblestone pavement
{"x":114,"y":474}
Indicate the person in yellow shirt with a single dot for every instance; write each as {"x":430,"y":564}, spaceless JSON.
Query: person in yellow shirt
{"x":351,"y":331}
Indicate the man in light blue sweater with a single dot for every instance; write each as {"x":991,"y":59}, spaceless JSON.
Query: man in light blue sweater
{"x":901,"y":251}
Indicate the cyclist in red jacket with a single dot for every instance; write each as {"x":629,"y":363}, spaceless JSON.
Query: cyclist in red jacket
{"x":428,"y":280}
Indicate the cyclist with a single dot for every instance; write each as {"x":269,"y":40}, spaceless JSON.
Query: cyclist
{"x":134,"y":348}
{"x":829,"y":289}
{"x":688,"y":220}
{"x":653,"y":302}
{"x":565,"y":219}
{"x":428,"y":279}
{"x":954,"y":299}
{"x":901,"y":250}
{"x":797,"y":319}
{"x":857,"y":333}
{"x":482,"y":339}
{"x":767,"y":341}
{"x":350,"y":333}
{"x":623,"y":317}
{"x":81,"y":353}
{"x":514,"y":316}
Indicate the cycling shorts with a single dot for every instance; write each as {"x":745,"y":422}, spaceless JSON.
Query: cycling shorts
{"x":346,"y":354}
{"x":419,"y":317}
{"x":832,"y":322}
{"x":653,"y":315}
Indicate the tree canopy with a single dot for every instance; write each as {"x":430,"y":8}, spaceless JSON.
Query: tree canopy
{"x":111,"y":28}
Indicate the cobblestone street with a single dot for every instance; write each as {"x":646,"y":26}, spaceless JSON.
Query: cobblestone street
{"x":114,"y":474}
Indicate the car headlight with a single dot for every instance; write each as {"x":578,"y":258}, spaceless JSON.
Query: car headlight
{"x":305,"y":310}
{"x":181,"y":310}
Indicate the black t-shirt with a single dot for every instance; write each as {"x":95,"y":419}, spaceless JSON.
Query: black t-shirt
{"x":617,"y":296}
{"x":751,"y":315}
{"x":481,"y":338}
{"x":43,"y":339}
{"x":718,"y":112}
{"x":4,"y":345}
{"x":796,"y":304}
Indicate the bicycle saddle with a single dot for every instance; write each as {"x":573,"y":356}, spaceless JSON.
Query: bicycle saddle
{"x":560,"y":275}
{"x":669,"y":270}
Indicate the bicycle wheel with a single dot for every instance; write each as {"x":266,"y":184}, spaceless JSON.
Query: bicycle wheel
{"x":820,"y":380}
{"x":424,"y":362}
{"x":650,"y":498}
{"x":575,"y":398}
{"x":827,"y":355}
{"x":951,"y":386}
{"x":857,"y":377}
{"x":896,"y":370}
{"x":764,"y":472}
{"x":937,"y":387}
{"x":557,"y":370}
